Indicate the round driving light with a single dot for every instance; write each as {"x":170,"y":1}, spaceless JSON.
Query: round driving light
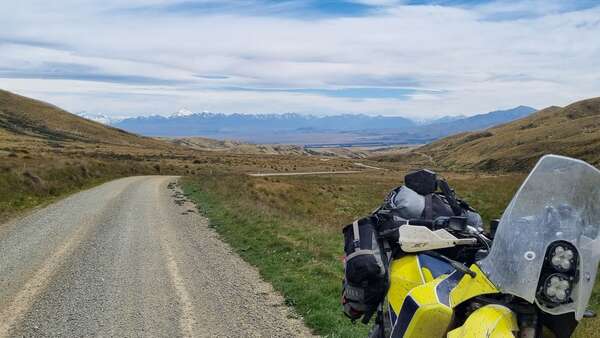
{"x":562,"y":256}
{"x":557,"y":288}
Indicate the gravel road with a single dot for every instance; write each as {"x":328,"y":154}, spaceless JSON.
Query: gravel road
{"x":131,"y":258}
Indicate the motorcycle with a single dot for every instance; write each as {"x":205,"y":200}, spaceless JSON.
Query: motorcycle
{"x":534,"y":279}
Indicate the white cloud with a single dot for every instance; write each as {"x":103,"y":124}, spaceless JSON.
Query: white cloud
{"x":477,"y":64}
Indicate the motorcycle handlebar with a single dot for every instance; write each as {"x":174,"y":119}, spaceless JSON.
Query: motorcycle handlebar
{"x":421,"y":222}
{"x":431,"y":224}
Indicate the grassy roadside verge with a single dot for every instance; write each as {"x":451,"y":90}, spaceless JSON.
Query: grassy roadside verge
{"x":27,"y":188}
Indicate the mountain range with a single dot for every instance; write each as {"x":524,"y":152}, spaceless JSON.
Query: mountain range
{"x":313,"y":130}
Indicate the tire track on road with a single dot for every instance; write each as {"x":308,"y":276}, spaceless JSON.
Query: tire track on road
{"x":187,"y":321}
{"x":29,"y":292}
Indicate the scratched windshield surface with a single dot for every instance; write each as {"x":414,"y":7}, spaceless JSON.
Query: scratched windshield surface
{"x":560,"y":200}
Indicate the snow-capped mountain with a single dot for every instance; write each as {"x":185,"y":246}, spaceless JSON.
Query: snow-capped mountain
{"x":182,"y":113}
{"x":206,"y":123}
{"x":102,"y":118}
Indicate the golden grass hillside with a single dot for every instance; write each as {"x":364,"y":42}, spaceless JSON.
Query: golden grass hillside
{"x":571,"y":131}
{"x":25,"y":117}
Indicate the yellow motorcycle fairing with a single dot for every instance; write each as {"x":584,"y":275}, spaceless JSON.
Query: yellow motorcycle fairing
{"x":490,"y":321}
{"x":468,"y":287}
{"x":410,"y":271}
{"x":423,"y":293}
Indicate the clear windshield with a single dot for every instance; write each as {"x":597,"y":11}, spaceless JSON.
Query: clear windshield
{"x":560,"y":200}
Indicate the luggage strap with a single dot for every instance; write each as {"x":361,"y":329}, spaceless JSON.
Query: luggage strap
{"x":356,"y":242}
{"x":450,"y":197}
{"x":429,"y":206}
{"x":359,"y":253}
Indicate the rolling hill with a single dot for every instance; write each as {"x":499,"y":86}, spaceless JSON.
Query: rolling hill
{"x":573,"y":131}
{"x":236,"y":147}
{"x":23,"y":118}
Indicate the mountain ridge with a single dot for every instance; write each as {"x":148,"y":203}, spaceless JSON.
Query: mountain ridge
{"x":304,"y":129}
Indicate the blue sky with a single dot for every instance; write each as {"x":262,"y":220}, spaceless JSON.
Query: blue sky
{"x":414,"y":58}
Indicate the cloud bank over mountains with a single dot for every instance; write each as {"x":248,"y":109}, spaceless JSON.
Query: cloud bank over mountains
{"x":419,"y":59}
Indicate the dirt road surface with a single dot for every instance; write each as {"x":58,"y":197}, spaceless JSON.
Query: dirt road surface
{"x":130,"y":258}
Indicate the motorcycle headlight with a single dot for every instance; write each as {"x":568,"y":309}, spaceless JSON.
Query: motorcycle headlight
{"x":557,"y":288}
{"x":563,"y":257}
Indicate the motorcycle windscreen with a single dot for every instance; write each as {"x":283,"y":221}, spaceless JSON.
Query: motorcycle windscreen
{"x":559,"y":201}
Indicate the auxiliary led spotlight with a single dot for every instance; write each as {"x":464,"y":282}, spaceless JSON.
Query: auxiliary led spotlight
{"x":562,"y":256}
{"x":557,"y":288}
